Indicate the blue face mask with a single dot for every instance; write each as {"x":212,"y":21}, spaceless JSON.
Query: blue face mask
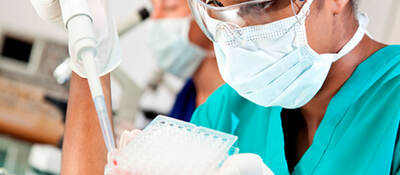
{"x":277,"y":67}
{"x":174,"y":53}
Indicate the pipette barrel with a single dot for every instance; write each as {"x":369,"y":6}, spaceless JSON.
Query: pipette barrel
{"x":105,"y":123}
{"x":98,"y":99}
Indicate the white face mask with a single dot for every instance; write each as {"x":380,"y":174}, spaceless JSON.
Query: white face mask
{"x":169,"y":41}
{"x":272,"y":64}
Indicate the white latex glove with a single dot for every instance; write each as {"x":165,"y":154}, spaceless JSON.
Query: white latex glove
{"x":126,"y":137}
{"x":52,"y":11}
{"x":244,"y":164}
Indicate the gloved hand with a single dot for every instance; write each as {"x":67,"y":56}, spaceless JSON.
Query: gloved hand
{"x":244,"y":164}
{"x":126,"y":137}
{"x":108,"y":50}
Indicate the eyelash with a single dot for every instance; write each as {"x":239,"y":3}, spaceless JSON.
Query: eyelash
{"x":264,"y":4}
{"x":215,"y":2}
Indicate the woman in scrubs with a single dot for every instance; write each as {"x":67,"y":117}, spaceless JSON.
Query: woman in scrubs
{"x":350,"y":125}
{"x":307,"y":90}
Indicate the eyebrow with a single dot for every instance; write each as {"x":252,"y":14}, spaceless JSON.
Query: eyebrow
{"x":215,"y":2}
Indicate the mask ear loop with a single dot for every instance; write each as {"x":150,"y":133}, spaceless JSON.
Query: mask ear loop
{"x":301,"y":36}
{"x":294,"y":11}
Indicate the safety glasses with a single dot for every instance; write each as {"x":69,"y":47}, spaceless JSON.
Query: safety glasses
{"x":225,"y":18}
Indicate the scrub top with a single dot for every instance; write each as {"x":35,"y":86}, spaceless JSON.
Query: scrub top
{"x":185,"y":102}
{"x":359,"y":133}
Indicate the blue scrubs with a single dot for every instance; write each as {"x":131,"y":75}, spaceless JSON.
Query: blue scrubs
{"x":185,"y":102}
{"x":359,"y":133}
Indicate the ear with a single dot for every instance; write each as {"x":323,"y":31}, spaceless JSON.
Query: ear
{"x":338,"y":6}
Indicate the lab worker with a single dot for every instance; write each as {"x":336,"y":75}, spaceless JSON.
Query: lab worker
{"x":308,"y":91}
{"x":307,"y":88}
{"x":181,"y":49}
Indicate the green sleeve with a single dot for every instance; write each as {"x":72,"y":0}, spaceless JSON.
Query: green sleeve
{"x":200,"y":116}
{"x":208,"y":113}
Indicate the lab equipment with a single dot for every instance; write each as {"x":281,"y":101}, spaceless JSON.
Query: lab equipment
{"x":271,"y":63}
{"x":97,"y":29}
{"x":90,"y":45}
{"x":363,"y":114}
{"x":172,"y":147}
{"x":45,"y":158}
{"x":3,"y":171}
{"x":170,"y":45}
{"x":14,"y":155}
{"x":63,"y":72}
{"x":129,"y":102}
{"x":93,"y":46}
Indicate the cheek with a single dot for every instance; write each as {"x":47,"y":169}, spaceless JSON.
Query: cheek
{"x":319,"y":32}
{"x":197,"y":37}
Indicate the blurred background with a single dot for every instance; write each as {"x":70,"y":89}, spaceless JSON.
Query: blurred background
{"x":34,"y":87}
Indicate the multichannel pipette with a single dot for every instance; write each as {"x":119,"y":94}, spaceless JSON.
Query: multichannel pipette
{"x":83,"y":43}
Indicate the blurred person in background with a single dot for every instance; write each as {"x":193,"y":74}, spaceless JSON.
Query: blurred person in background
{"x":181,"y":49}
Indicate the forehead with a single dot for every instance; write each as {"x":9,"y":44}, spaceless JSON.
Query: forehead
{"x":234,"y":2}
{"x":170,"y":8}
{"x":169,"y":3}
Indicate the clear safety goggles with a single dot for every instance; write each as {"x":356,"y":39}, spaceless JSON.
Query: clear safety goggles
{"x":224,"y":20}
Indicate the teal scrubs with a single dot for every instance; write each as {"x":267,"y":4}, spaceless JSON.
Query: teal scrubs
{"x":359,"y":133}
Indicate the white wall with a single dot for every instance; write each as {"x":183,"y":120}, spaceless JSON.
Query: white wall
{"x":384,"y":19}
